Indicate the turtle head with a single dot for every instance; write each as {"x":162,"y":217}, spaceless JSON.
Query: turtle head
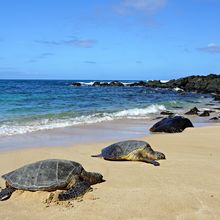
{"x":92,"y":177}
{"x":159,"y":155}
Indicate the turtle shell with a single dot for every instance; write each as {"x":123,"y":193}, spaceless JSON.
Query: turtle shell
{"x":120,"y":149}
{"x":43,"y":175}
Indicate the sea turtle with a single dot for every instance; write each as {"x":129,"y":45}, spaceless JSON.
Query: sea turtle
{"x":131,"y":150}
{"x":49,"y":175}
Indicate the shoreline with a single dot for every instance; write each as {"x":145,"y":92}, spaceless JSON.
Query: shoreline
{"x":115,"y":130}
{"x":184,"y":186}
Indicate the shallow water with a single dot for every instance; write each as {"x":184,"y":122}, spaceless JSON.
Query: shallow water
{"x":28,"y":106}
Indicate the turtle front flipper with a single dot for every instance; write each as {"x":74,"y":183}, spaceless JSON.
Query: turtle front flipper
{"x":79,"y":189}
{"x":98,"y":155}
{"x":155,"y":163}
{"x":6,"y":193}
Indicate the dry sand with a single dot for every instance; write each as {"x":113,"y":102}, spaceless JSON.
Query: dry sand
{"x":185,"y":186}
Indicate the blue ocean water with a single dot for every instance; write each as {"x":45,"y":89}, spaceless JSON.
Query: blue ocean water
{"x":33,"y":105}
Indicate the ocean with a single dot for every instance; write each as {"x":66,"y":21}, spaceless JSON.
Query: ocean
{"x":28,"y":106}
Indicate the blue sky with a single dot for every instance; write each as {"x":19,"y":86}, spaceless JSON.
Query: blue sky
{"x":101,"y":39}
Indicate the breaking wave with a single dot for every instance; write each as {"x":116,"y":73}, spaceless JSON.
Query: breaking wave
{"x":38,"y":124}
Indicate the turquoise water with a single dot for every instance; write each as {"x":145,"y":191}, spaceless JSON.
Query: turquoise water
{"x":33,"y":105}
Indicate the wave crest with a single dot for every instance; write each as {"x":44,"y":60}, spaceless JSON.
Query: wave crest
{"x":139,"y":112}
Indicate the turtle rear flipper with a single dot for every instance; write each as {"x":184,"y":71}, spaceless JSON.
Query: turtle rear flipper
{"x":79,"y":189}
{"x":6,"y":193}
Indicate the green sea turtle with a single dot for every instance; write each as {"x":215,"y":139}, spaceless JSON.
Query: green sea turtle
{"x":131,"y":150}
{"x":50,"y":175}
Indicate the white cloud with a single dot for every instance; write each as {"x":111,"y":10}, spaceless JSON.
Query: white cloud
{"x":84,"y":43}
{"x":89,"y":62}
{"x":126,"y":7}
{"x":211,"y":48}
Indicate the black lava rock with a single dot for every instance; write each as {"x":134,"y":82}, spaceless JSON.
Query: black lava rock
{"x":217,"y":97}
{"x":200,"y":84}
{"x":116,"y":83}
{"x":76,"y":84}
{"x":166,"y":113}
{"x":204,"y":114}
{"x":214,"y":118}
{"x":101,"y":84}
{"x":193,"y":111}
{"x":96,"y":84}
{"x":172,"y":124}
{"x":140,"y":83}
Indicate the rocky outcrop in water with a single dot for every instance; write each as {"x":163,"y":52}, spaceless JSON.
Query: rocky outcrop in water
{"x":193,"y":111}
{"x":76,"y":84}
{"x":204,"y":114}
{"x":140,"y":83}
{"x":112,"y":83}
{"x":200,"y":84}
{"x":172,"y":124}
{"x":166,"y":113}
{"x":116,"y":83}
{"x":217,"y":97}
{"x":215,"y":118}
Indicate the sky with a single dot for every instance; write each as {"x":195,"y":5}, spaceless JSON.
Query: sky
{"x":108,"y":39}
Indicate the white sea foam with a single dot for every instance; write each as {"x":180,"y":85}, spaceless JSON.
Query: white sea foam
{"x":46,"y":124}
{"x":92,"y":82}
{"x":178,"y":89}
{"x":127,"y":83}
{"x":87,"y":83}
{"x":140,"y":113}
{"x":164,"y":81}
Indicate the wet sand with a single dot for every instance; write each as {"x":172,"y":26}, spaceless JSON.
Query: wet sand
{"x":87,"y":133}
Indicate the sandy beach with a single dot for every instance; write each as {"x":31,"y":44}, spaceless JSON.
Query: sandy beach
{"x":185,"y":186}
{"x":79,"y":76}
